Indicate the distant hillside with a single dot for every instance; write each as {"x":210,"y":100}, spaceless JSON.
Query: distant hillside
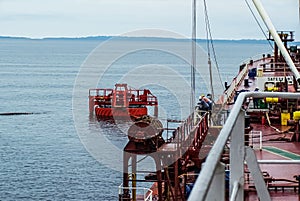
{"x":101,"y":38}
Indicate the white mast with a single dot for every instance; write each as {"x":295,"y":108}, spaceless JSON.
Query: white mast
{"x":276,"y":38}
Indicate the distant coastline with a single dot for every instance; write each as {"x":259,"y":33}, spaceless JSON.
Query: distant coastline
{"x":121,"y":38}
{"x":103,"y":38}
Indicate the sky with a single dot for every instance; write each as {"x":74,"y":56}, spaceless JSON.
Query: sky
{"x":230,"y":19}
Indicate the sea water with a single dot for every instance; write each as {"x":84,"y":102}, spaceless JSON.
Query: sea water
{"x":42,"y":157}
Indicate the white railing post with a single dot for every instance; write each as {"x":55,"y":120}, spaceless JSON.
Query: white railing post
{"x":234,"y":191}
{"x":257,"y":175}
{"x":254,"y":135}
{"x":218,"y":184}
{"x":260,"y":140}
{"x":237,"y":155}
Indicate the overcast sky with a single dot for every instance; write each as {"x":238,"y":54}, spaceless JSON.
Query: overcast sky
{"x":77,"y":18}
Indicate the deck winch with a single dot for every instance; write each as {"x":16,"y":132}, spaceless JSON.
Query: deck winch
{"x":146,"y":133}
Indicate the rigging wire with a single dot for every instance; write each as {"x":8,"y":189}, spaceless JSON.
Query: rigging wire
{"x":215,"y":114}
{"x":210,"y":43}
{"x":255,"y":18}
{"x":129,"y":165}
{"x":193,"y":65}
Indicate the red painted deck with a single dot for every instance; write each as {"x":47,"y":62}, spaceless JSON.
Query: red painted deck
{"x":275,"y":174}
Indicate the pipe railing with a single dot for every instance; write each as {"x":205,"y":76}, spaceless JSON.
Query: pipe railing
{"x":278,"y":162}
{"x":239,"y":153}
{"x":146,"y":192}
{"x":253,"y":135}
{"x":236,"y":82}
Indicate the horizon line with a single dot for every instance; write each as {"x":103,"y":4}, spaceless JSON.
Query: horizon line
{"x":112,"y":36}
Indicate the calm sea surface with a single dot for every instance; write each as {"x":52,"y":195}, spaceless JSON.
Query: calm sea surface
{"x":41,"y":154}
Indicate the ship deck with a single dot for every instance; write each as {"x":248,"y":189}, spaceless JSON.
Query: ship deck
{"x":279,"y":142}
{"x":278,"y":177}
{"x":270,"y":129}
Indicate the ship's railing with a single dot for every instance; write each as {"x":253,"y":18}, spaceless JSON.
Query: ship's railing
{"x":145,"y":192}
{"x":210,"y":184}
{"x":192,"y":131}
{"x":258,"y":57}
{"x":230,"y":92}
{"x":252,"y":139}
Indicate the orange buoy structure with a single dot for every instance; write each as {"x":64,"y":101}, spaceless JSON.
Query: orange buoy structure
{"x":121,"y":102}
